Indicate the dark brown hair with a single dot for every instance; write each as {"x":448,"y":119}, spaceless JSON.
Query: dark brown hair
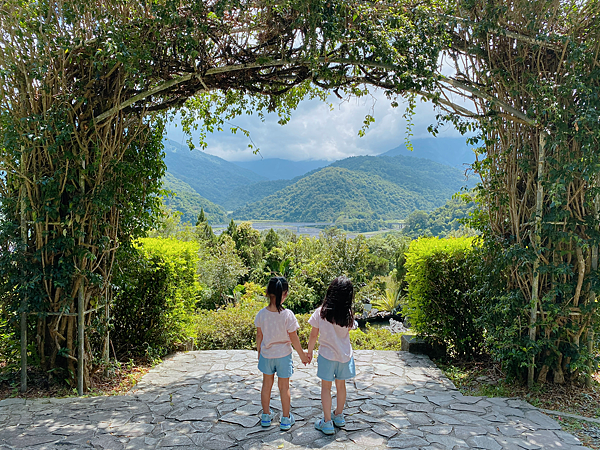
{"x":337,"y":305}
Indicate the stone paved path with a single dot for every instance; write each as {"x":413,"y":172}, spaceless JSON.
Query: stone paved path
{"x":211,"y":400}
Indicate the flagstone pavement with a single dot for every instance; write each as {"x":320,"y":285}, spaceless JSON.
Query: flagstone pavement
{"x":211,"y":400}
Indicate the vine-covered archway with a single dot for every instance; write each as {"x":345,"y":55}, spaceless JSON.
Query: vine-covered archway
{"x":86,"y":88}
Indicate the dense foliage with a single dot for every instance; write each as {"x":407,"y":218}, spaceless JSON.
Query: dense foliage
{"x":441,"y":305}
{"x":156,"y":295}
{"x":187,"y":201}
{"x":537,"y":118}
{"x":444,"y":221}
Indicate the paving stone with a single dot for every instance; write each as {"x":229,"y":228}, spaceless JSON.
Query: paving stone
{"x":446,"y":441}
{"x":106,"y":441}
{"x":134,"y":429}
{"x":567,"y":438}
{"x":407,"y":442}
{"x":419,"y":419}
{"x":467,"y":407}
{"x":542,"y":420}
{"x":385,"y":430}
{"x":176,"y":440}
{"x":512,"y":443}
{"x":436,"y":429}
{"x":366,"y":438}
{"x":195,"y":414}
{"x":484,"y":442}
{"x":465,"y":432}
{"x":241,"y":419}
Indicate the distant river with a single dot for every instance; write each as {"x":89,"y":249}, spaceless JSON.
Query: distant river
{"x":311,"y":229}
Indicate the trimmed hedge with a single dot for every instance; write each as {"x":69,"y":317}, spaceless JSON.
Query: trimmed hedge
{"x":441,"y":307}
{"x":156,"y":296}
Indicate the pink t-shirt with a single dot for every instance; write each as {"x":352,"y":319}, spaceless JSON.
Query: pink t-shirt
{"x":275,"y":327}
{"x":334,"y":341}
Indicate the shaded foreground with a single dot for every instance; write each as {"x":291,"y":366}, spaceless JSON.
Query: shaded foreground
{"x":211,"y":399}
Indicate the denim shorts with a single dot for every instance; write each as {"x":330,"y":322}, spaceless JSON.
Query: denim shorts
{"x":334,"y":370}
{"x":283,"y":366}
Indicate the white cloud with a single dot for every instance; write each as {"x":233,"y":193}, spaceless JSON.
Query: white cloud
{"x":316,"y":132}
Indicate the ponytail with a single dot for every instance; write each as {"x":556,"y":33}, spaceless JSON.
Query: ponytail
{"x":276,"y":287}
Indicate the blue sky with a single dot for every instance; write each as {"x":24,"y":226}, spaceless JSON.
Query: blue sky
{"x":316,"y":132}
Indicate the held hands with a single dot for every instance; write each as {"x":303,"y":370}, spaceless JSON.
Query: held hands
{"x":309,"y":354}
{"x":304,"y":358}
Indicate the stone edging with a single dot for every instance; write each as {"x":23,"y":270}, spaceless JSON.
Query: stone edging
{"x":571,"y":416}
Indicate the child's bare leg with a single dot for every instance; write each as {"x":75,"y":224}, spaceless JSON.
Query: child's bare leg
{"x":326,"y":399}
{"x":340,"y":387}
{"x":265,"y":393}
{"x":286,"y":398}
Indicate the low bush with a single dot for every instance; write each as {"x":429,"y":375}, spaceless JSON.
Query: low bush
{"x":375,"y":339}
{"x":9,"y":346}
{"x":156,"y":296}
{"x":440,"y":306}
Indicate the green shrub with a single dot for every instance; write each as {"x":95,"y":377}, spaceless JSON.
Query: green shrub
{"x":440,"y":275}
{"x":10,"y":345}
{"x":229,"y":328}
{"x":156,"y":296}
{"x":375,"y":339}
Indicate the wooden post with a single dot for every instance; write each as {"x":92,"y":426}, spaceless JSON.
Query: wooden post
{"x":537,"y":241}
{"x":81,"y":309}
{"x":590,"y":333}
{"x":23,"y":300}
{"x":80,"y":337}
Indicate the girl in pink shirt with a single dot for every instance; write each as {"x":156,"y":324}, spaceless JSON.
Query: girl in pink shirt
{"x":275,"y":335}
{"x":333,"y":321}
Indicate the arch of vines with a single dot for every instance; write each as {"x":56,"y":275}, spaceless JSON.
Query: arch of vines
{"x":86,"y":86}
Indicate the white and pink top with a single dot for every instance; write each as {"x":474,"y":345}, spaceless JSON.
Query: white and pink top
{"x":334,"y":341}
{"x":275,"y":327}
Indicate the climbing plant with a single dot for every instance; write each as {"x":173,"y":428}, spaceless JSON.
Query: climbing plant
{"x":532,"y":70}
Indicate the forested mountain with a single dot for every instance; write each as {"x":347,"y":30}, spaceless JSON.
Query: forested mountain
{"x":434,"y":181}
{"x":336,"y":193}
{"x":251,"y":193}
{"x":449,"y":151}
{"x":211,"y":177}
{"x":189,"y":202}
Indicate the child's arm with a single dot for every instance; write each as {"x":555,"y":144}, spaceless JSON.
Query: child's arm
{"x":298,"y":347}
{"x":259,"y":338}
{"x":312,"y":340}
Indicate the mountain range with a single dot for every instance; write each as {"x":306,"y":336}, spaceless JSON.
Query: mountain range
{"x":361,"y":188}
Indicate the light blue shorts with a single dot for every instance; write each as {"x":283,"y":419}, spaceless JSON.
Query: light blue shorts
{"x":284,"y":367}
{"x":334,"y":370}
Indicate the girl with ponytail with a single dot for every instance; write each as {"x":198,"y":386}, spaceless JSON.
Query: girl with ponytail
{"x":276,"y":333}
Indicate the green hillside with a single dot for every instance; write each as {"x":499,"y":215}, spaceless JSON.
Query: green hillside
{"x":433,"y":181}
{"x":251,"y":193}
{"x":189,"y":202}
{"x":211,"y":177}
{"x":336,"y":193}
